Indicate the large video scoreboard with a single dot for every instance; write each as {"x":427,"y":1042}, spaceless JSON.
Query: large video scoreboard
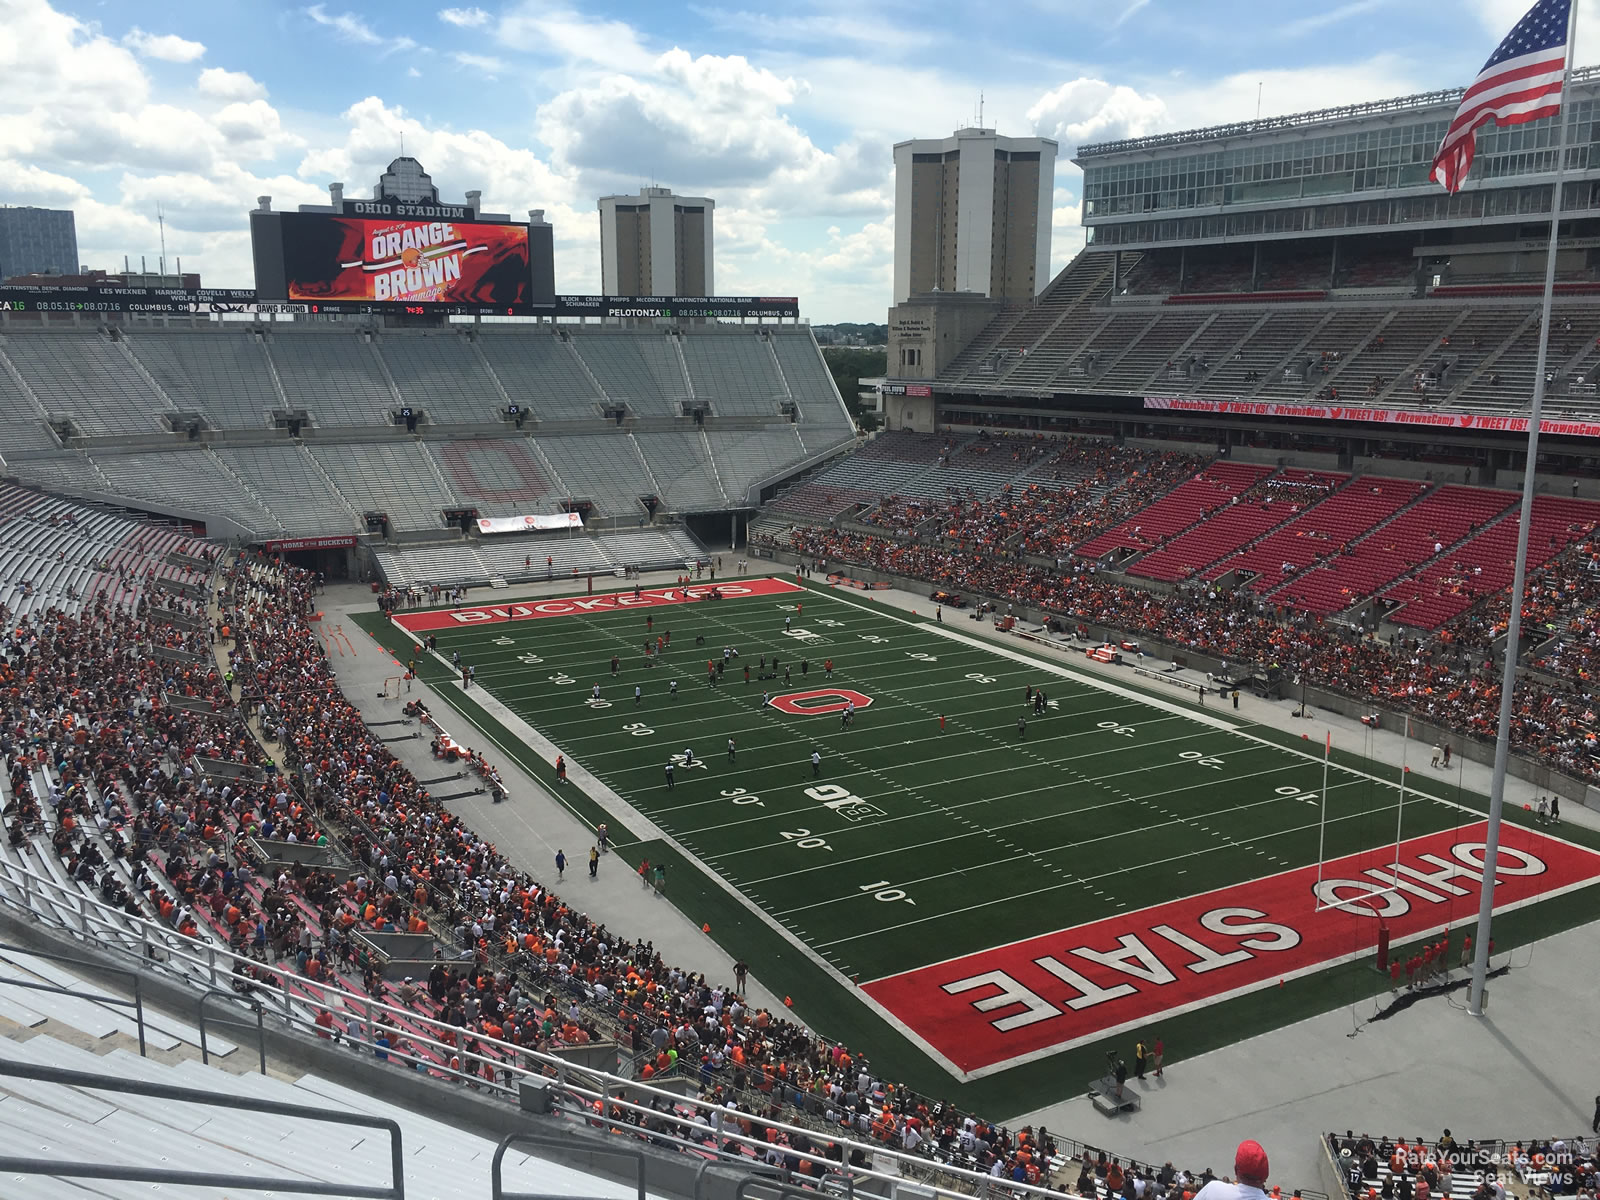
{"x":397,"y":257}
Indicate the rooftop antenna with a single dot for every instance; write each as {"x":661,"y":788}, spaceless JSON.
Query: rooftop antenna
{"x":161,"y":223}
{"x":1259,"y":86}
{"x":980,"y":110}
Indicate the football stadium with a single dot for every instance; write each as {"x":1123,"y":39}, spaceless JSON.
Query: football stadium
{"x":1162,"y":729}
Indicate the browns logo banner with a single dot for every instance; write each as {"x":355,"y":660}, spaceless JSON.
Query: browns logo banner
{"x":439,"y":262}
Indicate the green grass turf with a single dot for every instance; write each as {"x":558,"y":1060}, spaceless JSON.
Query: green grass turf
{"x":1108,"y":804}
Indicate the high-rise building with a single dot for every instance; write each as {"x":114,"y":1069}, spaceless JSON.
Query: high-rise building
{"x":656,"y":244}
{"x":972,"y":214}
{"x":38,"y":241}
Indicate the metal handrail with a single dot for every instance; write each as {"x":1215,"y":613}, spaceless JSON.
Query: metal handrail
{"x":161,"y":1091}
{"x":497,"y":1184}
{"x":255,"y":1005}
{"x":137,"y":1003}
{"x":742,"y":1192}
{"x":580,"y":1082}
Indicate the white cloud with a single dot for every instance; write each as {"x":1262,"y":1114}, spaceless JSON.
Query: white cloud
{"x":563,"y":33}
{"x":486,"y":63}
{"x":27,"y":184}
{"x":465,"y":18}
{"x":704,"y":122}
{"x":254,"y":129}
{"x":229,"y":85}
{"x":353,"y":29}
{"x":168,"y":47}
{"x":1092,"y":110}
{"x":510,"y":177}
{"x":50,"y":60}
{"x":215,"y":202}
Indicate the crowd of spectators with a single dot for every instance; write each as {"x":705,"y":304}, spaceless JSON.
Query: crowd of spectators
{"x":1395,"y":1169}
{"x":1449,"y":682}
{"x":534,"y":971}
{"x":86,"y":703}
{"x":102,"y":740}
{"x":113,"y":754}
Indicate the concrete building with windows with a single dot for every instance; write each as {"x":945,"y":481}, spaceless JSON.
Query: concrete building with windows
{"x":38,"y":241}
{"x":657,"y":244}
{"x":1331,"y":187}
{"x":972,"y":214}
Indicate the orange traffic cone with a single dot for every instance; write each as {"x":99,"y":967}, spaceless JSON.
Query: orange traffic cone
{"x":706,"y":928}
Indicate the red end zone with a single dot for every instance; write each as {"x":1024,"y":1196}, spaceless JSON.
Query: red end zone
{"x":566,"y":606}
{"x":998,"y":1008}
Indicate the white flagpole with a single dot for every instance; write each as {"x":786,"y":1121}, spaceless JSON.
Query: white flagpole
{"x":1322,"y":826}
{"x":1400,"y":810}
{"x":1508,"y":681}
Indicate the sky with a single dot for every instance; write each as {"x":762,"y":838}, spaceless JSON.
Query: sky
{"x":784,"y":115}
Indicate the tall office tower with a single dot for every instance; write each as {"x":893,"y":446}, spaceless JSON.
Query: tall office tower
{"x":656,"y":244}
{"x":37,"y":241}
{"x":972,"y":214}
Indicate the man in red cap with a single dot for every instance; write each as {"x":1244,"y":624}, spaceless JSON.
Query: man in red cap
{"x":1250,"y":1168}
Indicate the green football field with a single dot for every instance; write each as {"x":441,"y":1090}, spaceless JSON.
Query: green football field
{"x":934,"y":827}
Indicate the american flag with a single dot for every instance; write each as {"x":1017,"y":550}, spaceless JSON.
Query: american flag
{"x":1520,"y":82}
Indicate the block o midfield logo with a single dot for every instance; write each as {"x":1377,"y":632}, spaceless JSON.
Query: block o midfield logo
{"x":819,"y":701}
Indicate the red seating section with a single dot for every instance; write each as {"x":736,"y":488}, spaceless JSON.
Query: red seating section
{"x":1442,"y":518}
{"x":1208,"y":491}
{"x":1322,"y":531}
{"x":1457,"y":580}
{"x":1240,"y":523}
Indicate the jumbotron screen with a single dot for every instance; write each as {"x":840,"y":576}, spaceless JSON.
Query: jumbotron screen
{"x":402,"y":261}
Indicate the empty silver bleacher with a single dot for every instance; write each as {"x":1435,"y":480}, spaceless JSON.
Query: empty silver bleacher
{"x":222,"y":374}
{"x":550,"y":556}
{"x":86,"y":377}
{"x":22,"y":426}
{"x":604,"y":468}
{"x":642,"y":372}
{"x":457,"y":562}
{"x":67,"y":470}
{"x":745,"y":456}
{"x":288,"y":482}
{"x":646,"y":548}
{"x":500,"y":477}
{"x":333,"y":376}
{"x":734,"y":372}
{"x":190,"y":483}
{"x":523,"y":558}
{"x":439,"y":373}
{"x":393,"y":477}
{"x":1150,"y":355}
{"x":540,"y":372}
{"x":824,"y":420}
{"x":1263,"y":352}
{"x":682,"y":468}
